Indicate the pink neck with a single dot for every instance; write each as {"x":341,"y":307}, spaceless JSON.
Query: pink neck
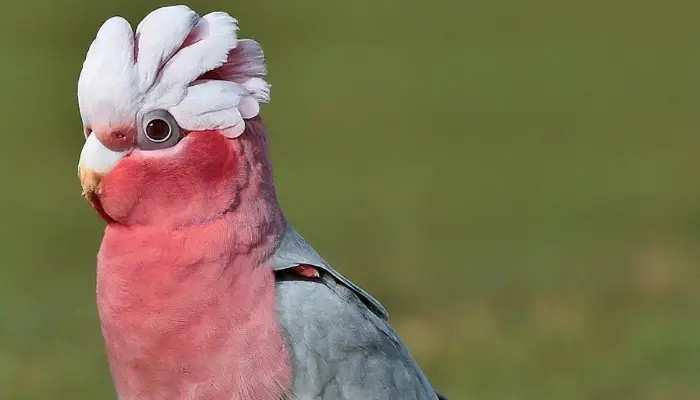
{"x":191,"y":313}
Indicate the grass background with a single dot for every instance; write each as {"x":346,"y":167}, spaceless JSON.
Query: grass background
{"x":516,"y":181}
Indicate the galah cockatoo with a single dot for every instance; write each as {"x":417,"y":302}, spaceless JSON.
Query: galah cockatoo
{"x":204,"y":289}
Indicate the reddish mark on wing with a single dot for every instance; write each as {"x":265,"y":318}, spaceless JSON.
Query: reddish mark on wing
{"x":307,"y":271}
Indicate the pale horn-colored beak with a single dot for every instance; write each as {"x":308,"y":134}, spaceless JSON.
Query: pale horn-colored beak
{"x":95,"y":161}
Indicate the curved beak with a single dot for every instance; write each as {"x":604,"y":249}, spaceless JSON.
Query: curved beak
{"x":95,"y":161}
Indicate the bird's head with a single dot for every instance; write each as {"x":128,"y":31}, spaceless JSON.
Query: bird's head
{"x":170,"y":114}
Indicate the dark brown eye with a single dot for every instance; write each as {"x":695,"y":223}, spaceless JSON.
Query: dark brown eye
{"x":158,"y":130}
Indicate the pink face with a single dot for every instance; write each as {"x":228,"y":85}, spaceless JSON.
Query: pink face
{"x":188,"y":178}
{"x":166,"y":114}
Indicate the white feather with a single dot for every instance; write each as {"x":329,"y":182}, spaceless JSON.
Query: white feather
{"x":159,"y":35}
{"x":106,"y":94}
{"x":210,"y":105}
{"x":258,"y":88}
{"x":234,"y":131}
{"x":211,"y":121}
{"x":115,"y":86}
{"x":192,"y":61}
{"x":208,"y":96}
{"x":248,"y":107}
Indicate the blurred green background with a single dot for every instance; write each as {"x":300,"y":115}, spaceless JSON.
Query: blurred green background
{"x":516,"y":181}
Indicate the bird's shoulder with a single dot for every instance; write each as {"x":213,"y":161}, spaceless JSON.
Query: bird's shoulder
{"x":315,"y":298}
{"x":341,"y":348}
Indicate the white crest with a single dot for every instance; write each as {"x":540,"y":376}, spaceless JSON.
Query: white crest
{"x":194,"y":67}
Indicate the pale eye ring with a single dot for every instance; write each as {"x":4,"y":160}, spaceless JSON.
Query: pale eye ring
{"x":158,"y":130}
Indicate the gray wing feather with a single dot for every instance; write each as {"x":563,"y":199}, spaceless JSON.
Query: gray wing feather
{"x":293,"y":251}
{"x":340,"y":350}
{"x":341,"y":343}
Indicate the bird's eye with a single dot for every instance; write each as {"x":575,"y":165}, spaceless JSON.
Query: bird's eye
{"x":158,"y":130}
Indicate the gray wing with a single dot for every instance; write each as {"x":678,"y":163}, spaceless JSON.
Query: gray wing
{"x":293,"y":250}
{"x":342,"y":344}
{"x":340,"y":348}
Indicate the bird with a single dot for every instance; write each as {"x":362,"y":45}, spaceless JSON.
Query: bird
{"x":204,"y":289}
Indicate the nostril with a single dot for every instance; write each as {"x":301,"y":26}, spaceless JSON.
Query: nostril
{"x":116,"y":139}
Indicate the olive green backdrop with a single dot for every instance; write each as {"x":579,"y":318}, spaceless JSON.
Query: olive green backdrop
{"x":517,"y":181}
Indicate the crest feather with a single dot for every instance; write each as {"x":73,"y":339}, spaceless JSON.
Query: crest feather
{"x":111,"y":56}
{"x":218,"y":37}
{"x":194,"y":67}
{"x":244,"y":62}
{"x":158,"y":37}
